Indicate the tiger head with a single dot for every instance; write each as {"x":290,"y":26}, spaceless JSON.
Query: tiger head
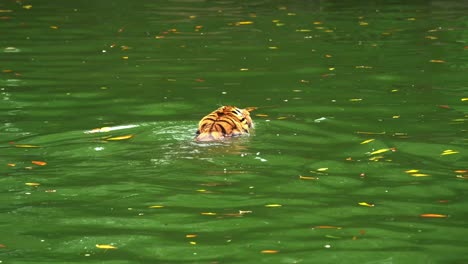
{"x":225,"y":122}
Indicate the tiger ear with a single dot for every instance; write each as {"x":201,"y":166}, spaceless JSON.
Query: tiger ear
{"x":250,"y":109}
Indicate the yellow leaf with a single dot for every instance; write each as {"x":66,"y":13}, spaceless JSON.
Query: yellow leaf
{"x":26,"y":146}
{"x":244,"y":23}
{"x":449,"y":152}
{"x":380,"y":151}
{"x":412,"y":171}
{"x":437,"y":61}
{"x":367,"y":141}
{"x":156,"y":206}
{"x":105,"y":246}
{"x":322,"y":169}
{"x":355,"y":99}
{"x":366,"y":204}
{"x":464,"y":99}
{"x":11,"y":164}
{"x":307,"y":177}
{"x":273,"y":205}
{"x":419,"y":174}
{"x":281,"y":117}
{"x":244,"y":69}
{"x":120,"y":138}
{"x":190,"y":236}
{"x":54,"y":27}
{"x":261,"y":115}
{"x":193,"y":243}
{"x":32,"y":184}
{"x":27,"y":6}
{"x":208,"y":213}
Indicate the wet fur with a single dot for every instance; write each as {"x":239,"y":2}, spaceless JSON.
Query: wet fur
{"x":224,"y":122}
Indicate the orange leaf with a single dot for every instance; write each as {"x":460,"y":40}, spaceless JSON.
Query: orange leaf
{"x":269,"y":251}
{"x":433,"y":216}
{"x":328,"y":227}
{"x":39,"y":163}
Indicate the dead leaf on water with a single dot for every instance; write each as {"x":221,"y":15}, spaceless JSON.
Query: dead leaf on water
{"x":380,"y":151}
{"x":32,"y":184}
{"x":327,"y":227}
{"x":367,"y":141}
{"x":273,"y":205}
{"x":156,"y":206}
{"x":307,"y":177}
{"x":119,"y":138}
{"x":39,"y":163}
{"x":448,"y":152}
{"x":26,"y":146}
{"x":433,"y":215}
{"x":437,"y":61}
{"x":102,"y":246}
{"x":269,"y":251}
{"x":366,"y":204}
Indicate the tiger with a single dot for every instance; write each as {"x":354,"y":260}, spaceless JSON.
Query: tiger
{"x":225,"y":122}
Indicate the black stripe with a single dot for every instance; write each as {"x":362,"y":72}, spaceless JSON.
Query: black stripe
{"x":223,"y":130}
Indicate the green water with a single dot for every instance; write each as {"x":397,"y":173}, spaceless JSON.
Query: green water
{"x":325,"y":75}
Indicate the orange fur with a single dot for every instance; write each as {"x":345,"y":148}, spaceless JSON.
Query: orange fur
{"x":224,"y":122}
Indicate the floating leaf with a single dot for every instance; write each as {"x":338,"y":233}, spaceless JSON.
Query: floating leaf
{"x":412,"y":171}
{"x":366,"y":204}
{"x":11,"y":164}
{"x":273,"y":205}
{"x":120,"y":138}
{"x":464,"y":99}
{"x":26,"y":146}
{"x":208,"y":213}
{"x":433,"y":216}
{"x":32,"y":184}
{"x":448,"y":152}
{"x":437,"y":61}
{"x":193,"y":243}
{"x":327,"y":227}
{"x":355,"y":99}
{"x":105,"y":246}
{"x":269,"y":251}
{"x":370,"y":133}
{"x":322,"y":169}
{"x":419,"y":174}
{"x":307,"y":177}
{"x":380,"y":151}
{"x":39,"y":163}
{"x":244,"y":23}
{"x":156,"y":206}
{"x":27,"y":6}
{"x":190,"y":235}
{"x":261,"y":115}
{"x":367,"y":141}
